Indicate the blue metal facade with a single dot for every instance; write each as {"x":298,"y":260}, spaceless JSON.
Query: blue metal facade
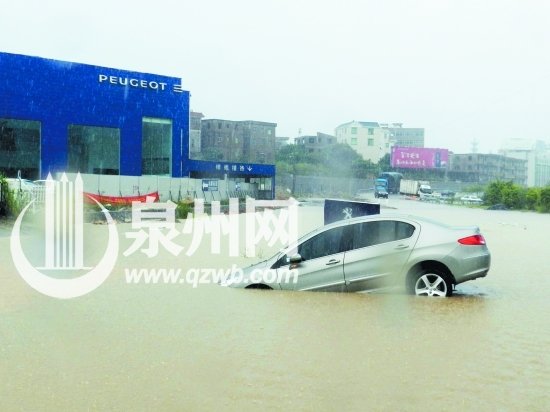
{"x":58,"y":94}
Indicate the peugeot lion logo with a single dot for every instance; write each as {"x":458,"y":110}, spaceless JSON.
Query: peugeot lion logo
{"x":64,"y":244}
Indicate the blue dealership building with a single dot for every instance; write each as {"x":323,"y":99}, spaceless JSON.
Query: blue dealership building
{"x":58,"y":116}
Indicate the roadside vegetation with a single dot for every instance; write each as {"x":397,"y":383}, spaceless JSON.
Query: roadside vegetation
{"x":338,"y":160}
{"x":10,"y":204}
{"x":517,"y":197}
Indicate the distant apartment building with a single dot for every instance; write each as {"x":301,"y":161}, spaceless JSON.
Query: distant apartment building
{"x":195,"y":133}
{"x":315,"y":143}
{"x":238,"y":141}
{"x":537,"y":155}
{"x":485,"y":168}
{"x":368,"y":139}
{"x":404,"y":136}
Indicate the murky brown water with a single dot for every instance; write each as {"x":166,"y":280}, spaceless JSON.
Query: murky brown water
{"x":167,"y":347}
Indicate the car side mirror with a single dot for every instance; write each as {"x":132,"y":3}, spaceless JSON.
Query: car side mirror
{"x":296,"y":258}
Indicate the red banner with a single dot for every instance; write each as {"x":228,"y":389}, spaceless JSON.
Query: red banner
{"x":119,"y":200}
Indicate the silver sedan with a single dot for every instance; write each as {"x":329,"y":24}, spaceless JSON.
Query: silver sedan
{"x":370,"y":253}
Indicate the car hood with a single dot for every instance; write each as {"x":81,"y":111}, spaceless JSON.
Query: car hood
{"x":240,"y":279}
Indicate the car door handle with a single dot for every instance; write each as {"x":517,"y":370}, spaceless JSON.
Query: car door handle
{"x":402,"y":246}
{"x":332,"y":262}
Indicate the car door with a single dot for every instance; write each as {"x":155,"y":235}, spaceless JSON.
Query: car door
{"x":322,"y":265}
{"x":379,"y":251}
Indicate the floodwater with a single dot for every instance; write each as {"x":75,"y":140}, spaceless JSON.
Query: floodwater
{"x":175,"y":347}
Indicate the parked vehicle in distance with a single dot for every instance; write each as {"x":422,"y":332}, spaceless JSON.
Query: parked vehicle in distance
{"x":381,"y":192}
{"x":415,"y":187}
{"x":498,"y":206}
{"x":471,"y":199}
{"x":393,"y":181}
{"x":447,"y":194}
{"x":377,"y":252}
{"x":381,"y":188}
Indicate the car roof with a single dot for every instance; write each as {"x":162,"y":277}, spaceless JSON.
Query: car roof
{"x":366,"y":218}
{"x":385,"y":216}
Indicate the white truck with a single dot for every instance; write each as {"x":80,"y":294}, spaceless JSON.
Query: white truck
{"x":419,"y":188}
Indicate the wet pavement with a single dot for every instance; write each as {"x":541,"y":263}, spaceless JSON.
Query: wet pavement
{"x":174,"y":347}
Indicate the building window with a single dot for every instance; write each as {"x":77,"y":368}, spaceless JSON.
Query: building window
{"x":354,"y":130}
{"x":312,"y":140}
{"x":371,"y":131}
{"x":94,"y":150}
{"x":370,"y":142}
{"x":156,"y":155}
{"x":354,"y":141}
{"x":20,"y":148}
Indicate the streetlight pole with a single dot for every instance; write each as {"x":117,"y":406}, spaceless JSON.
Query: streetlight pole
{"x":291,"y":158}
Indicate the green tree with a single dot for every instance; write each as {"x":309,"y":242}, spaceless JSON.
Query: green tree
{"x":545,"y":199}
{"x":384,"y":164}
{"x":334,"y":160}
{"x":363,"y":169}
{"x":512,"y":196}
{"x":339,"y":158}
{"x":292,"y":153}
{"x":493,"y":193}
{"x":10,"y":204}
{"x":532,"y":198}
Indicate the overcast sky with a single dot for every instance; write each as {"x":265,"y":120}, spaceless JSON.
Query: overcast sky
{"x":462,"y":69}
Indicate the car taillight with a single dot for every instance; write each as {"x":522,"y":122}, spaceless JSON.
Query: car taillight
{"x":474,"y":240}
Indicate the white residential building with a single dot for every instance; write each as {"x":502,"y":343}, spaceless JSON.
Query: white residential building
{"x":537,"y":155}
{"x":368,"y":139}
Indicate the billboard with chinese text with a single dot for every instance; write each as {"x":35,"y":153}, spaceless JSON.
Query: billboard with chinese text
{"x":419,"y":157}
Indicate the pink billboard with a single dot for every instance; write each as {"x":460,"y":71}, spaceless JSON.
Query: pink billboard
{"x":419,"y":157}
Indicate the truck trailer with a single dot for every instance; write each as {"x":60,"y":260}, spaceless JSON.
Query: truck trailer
{"x":415,"y":188}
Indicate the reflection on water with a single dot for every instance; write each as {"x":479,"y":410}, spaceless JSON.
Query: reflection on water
{"x":175,"y":347}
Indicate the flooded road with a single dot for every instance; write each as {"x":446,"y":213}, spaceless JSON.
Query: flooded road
{"x":174,"y":347}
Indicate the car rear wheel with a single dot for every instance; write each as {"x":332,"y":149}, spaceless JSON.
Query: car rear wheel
{"x":433,"y":283}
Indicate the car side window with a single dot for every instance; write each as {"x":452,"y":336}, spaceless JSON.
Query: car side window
{"x":324,"y":244}
{"x":403,"y":230}
{"x":374,"y":233}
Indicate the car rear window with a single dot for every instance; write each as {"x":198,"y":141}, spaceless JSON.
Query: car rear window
{"x":374,"y":233}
